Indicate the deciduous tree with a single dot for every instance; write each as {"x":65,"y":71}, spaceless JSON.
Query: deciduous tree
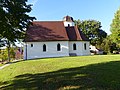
{"x":14,"y":19}
{"x":92,"y":30}
{"x":115,"y":28}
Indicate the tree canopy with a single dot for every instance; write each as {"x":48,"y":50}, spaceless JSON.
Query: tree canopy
{"x":14,"y":19}
{"x":115,"y":27}
{"x":92,"y":30}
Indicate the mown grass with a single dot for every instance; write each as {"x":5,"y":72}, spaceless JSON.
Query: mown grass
{"x":74,"y":73}
{"x":1,"y":64}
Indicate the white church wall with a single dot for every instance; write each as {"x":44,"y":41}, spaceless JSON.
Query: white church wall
{"x":79,"y":48}
{"x":51,"y":49}
{"x":87,"y":50}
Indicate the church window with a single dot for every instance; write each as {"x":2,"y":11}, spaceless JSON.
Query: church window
{"x":74,"y":46}
{"x":31,"y":45}
{"x":58,"y":47}
{"x":85,"y":46}
{"x":44,"y":48}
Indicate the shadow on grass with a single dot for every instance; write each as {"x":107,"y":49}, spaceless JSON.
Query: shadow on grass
{"x":93,"y":77}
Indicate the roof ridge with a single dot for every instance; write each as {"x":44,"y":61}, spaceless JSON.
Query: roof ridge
{"x":77,"y":32}
{"x":47,"y":21}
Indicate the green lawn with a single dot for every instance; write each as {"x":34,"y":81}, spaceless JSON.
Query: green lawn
{"x":67,"y":73}
{"x":1,"y":64}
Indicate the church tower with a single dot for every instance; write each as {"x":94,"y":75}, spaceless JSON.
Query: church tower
{"x":68,"y":21}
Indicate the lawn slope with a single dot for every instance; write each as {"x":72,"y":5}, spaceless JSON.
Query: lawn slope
{"x":84,"y":72}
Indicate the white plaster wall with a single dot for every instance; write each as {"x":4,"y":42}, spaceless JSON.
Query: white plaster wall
{"x":87,"y":51}
{"x":51,"y":49}
{"x":79,"y":48}
{"x":70,"y":23}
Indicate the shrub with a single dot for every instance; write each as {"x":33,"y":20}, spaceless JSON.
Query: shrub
{"x":3,"y":55}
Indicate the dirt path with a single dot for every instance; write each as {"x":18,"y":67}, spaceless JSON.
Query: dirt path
{"x":9,"y":64}
{"x":5,"y":65}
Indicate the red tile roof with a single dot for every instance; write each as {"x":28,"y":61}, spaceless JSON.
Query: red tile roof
{"x":46,"y":31}
{"x":74,"y":34}
{"x":52,"y":31}
{"x":83,"y":37}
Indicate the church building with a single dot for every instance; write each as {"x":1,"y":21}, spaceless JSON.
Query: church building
{"x":55,"y":39}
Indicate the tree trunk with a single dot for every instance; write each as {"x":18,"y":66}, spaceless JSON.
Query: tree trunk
{"x":8,"y":51}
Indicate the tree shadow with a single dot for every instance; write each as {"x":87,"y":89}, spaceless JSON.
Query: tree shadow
{"x":102,"y":76}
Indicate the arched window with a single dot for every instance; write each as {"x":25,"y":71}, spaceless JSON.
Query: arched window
{"x":31,"y":45}
{"x":74,"y":46}
{"x":58,"y":47}
{"x":44,"y":48}
{"x":85,"y":46}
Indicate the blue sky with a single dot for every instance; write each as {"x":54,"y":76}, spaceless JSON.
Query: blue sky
{"x":55,"y":10}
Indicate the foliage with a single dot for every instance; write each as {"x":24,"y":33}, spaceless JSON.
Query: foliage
{"x":4,"y":54}
{"x":1,"y":43}
{"x":107,"y":45}
{"x":115,"y":28}
{"x":78,"y":73}
{"x":92,"y":30}
{"x":12,"y":53}
{"x":13,"y":19}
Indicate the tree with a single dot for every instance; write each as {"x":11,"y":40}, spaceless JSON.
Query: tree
{"x":92,"y":30}
{"x":107,"y":45}
{"x":2,"y":43}
{"x":14,"y":20}
{"x":115,"y":28}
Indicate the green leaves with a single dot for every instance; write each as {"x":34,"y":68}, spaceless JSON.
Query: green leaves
{"x":92,"y":30}
{"x":14,"y":19}
{"x":115,"y":28}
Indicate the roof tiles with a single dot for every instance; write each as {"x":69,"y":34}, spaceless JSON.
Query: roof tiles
{"x":52,"y":31}
{"x":46,"y":31}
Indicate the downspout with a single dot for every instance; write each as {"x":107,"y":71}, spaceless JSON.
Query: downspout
{"x":26,"y":50}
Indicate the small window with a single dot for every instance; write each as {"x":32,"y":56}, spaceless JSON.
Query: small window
{"x":68,"y":25}
{"x":85,"y":46}
{"x":44,"y":48}
{"x":58,"y":47}
{"x":74,"y":46}
{"x":31,"y":45}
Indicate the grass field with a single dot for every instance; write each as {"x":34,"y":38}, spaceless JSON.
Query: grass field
{"x":67,"y":73}
{"x":1,"y":64}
